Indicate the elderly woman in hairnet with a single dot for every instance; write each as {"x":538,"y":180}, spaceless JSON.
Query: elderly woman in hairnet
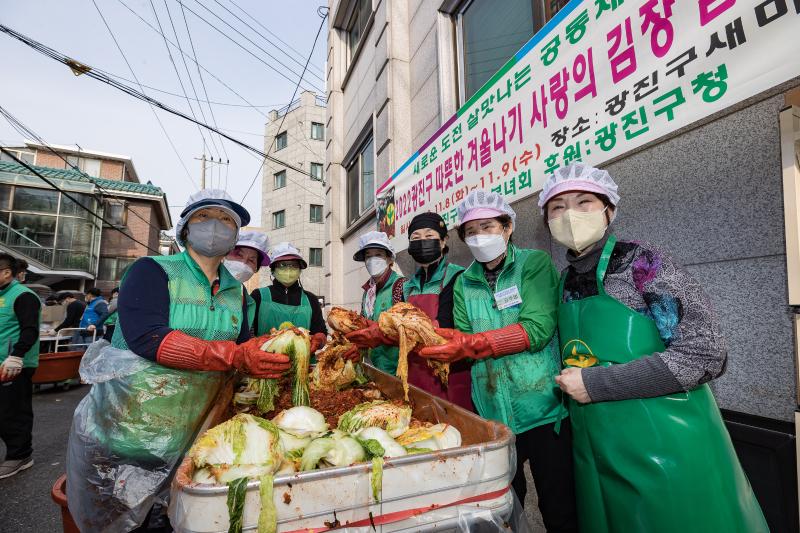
{"x":183,"y":325}
{"x":248,"y":256}
{"x":639,"y":341}
{"x":504,"y":309}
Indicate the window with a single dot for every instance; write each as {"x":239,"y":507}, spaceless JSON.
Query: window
{"x":315,"y":213}
{"x":490,"y":33}
{"x":281,"y":141}
{"x":357,"y":24}
{"x":28,"y":157}
{"x":115,"y":213}
{"x":113,"y":268}
{"x":361,"y":182}
{"x":280,"y":180}
{"x":317,"y":131}
{"x":316,"y":171}
{"x":279,"y":219}
{"x":315,"y":257}
{"x":36,"y":200}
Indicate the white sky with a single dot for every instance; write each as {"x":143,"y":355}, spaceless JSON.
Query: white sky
{"x":65,"y":109}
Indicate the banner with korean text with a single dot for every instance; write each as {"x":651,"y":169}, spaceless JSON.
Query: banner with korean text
{"x":600,"y":79}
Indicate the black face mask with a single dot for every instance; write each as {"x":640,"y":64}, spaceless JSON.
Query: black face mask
{"x":425,"y":251}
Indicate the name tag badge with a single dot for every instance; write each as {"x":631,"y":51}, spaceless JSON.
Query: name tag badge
{"x":507,"y":298}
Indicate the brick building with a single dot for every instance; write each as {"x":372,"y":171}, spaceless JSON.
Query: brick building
{"x":66,"y":246}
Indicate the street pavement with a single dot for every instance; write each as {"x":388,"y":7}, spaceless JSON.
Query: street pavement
{"x":25,"y":503}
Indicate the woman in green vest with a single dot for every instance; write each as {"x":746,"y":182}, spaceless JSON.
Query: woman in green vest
{"x":640,"y":342}
{"x":383,"y":289}
{"x":504,"y":308}
{"x":183,"y":326}
{"x":286,"y":300}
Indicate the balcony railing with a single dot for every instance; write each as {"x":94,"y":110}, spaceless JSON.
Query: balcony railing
{"x":25,"y":245}
{"x":320,"y":101}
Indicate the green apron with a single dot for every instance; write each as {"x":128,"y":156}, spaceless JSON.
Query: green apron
{"x":382,"y":357}
{"x":660,"y":465}
{"x":9,"y":325}
{"x":272,"y":314}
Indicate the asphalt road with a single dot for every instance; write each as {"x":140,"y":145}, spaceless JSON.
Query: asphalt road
{"x":25,"y":503}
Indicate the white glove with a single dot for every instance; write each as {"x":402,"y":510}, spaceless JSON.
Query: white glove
{"x":10,"y":368}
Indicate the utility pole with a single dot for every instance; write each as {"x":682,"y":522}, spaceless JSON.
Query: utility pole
{"x":203,"y":162}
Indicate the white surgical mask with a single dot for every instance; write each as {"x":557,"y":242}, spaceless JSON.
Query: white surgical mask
{"x":241,"y":271}
{"x":577,"y":230}
{"x":376,"y":266}
{"x":486,"y":248}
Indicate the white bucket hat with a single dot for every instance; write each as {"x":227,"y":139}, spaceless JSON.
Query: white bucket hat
{"x":284,"y":251}
{"x":211,"y":198}
{"x":257,"y":241}
{"x":373,"y":239}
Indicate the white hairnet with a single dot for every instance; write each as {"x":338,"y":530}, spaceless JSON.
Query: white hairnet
{"x":210,"y":198}
{"x":579,"y":177}
{"x":257,"y":241}
{"x":481,"y":204}
{"x":373,"y":239}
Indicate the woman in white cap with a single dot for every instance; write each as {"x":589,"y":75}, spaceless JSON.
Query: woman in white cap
{"x":248,"y":256}
{"x":383,"y":289}
{"x":286,"y":300}
{"x":504,"y":309}
{"x":640,"y":341}
{"x":182,"y":325}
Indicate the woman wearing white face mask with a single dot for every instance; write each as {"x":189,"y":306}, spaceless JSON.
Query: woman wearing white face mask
{"x":383,"y":289}
{"x":248,"y":256}
{"x":504,"y":309}
{"x":639,"y":340}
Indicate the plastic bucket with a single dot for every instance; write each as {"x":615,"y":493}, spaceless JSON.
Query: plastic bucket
{"x":59,"y":495}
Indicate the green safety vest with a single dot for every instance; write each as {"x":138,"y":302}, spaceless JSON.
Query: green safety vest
{"x":434,"y":285}
{"x":272,"y":314}
{"x":383,"y":357}
{"x":661,"y":464}
{"x":518,"y":390}
{"x":111,"y":320}
{"x":166,"y":397}
{"x":9,"y":325}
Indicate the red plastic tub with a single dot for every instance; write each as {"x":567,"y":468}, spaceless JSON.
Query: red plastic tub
{"x":58,"y":366}
{"x":59,"y":494}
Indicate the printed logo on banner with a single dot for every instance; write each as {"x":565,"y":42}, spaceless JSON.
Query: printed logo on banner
{"x":386,"y":213}
{"x":600,"y":79}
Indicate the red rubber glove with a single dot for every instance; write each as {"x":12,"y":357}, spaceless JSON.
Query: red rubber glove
{"x":318,"y":340}
{"x":353,"y":354}
{"x":179,"y":350}
{"x":371,"y":337}
{"x":493,"y":343}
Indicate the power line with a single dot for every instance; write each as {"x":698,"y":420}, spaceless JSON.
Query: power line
{"x":177,"y":74}
{"x":146,"y":23}
{"x":287,"y":45}
{"x":85,"y":70}
{"x":26,"y":132}
{"x":74,"y":200}
{"x":237,"y":43}
{"x":142,"y":90}
{"x":265,"y":38}
{"x":296,"y":87}
{"x":199,"y":74}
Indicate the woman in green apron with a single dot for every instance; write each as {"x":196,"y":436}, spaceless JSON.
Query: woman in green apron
{"x":504,"y":309}
{"x":182,"y":326}
{"x":286,"y":300}
{"x":383,"y":289}
{"x":640,"y":343}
